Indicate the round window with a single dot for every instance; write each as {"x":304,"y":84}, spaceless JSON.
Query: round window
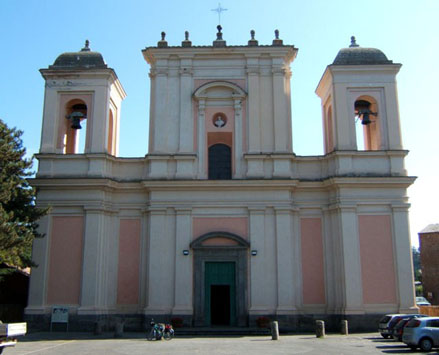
{"x":219,"y":120}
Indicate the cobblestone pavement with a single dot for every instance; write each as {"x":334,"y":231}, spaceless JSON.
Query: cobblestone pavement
{"x":135,"y":343}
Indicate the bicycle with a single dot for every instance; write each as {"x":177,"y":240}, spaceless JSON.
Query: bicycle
{"x":159,"y":331}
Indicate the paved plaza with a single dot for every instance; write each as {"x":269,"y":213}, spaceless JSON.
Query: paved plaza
{"x":135,"y":343}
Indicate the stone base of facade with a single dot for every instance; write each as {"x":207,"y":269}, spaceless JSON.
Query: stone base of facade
{"x":139,"y":322}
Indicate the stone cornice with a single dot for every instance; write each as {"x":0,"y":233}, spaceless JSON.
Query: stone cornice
{"x":152,"y":54}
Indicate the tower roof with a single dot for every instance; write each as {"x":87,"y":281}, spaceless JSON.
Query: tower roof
{"x":356,"y":55}
{"x":84,"y":59}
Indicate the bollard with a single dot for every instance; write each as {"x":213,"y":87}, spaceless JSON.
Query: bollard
{"x":344,"y":327}
{"x":118,"y":329}
{"x":274,"y":330}
{"x":320,"y":329}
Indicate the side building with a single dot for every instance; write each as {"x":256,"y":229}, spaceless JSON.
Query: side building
{"x":429,"y":250}
{"x":221,"y":223}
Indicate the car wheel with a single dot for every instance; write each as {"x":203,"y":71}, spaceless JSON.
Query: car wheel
{"x":425,"y":344}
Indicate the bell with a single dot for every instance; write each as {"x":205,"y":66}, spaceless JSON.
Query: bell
{"x":75,"y":117}
{"x":365,"y":118}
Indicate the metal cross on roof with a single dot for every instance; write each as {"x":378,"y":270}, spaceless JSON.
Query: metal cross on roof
{"x":219,"y":9}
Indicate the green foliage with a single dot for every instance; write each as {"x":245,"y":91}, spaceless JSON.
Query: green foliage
{"x":18,"y":213}
{"x":417,"y":264}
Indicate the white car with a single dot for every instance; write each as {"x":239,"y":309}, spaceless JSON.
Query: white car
{"x":422,"y":301}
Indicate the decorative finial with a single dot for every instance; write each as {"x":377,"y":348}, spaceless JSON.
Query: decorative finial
{"x":252,"y":41}
{"x":219,"y":35}
{"x":276,"y":40}
{"x":219,"y":42}
{"x":162,"y":43}
{"x":186,"y":42}
{"x":353,"y":42}
{"x":86,"y":47}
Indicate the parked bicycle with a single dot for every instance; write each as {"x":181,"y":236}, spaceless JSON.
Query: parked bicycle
{"x":159,"y":331}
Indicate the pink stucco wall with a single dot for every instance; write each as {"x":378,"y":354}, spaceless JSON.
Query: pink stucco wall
{"x":129,"y":262}
{"x":65,"y":260}
{"x":236,"y":225}
{"x":312,"y":261}
{"x":377,"y":269}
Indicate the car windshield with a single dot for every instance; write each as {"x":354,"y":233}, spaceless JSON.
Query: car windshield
{"x":421,"y":299}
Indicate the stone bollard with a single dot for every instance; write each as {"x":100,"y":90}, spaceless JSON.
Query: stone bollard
{"x":320,"y":329}
{"x":274,"y":330}
{"x":118,"y":329}
{"x":344,"y":327}
{"x":98,"y":327}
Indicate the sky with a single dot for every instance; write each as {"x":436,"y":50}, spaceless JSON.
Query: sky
{"x":35,"y":32}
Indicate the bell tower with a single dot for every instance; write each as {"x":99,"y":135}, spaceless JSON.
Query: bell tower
{"x":359,"y":88}
{"x":81,"y":105}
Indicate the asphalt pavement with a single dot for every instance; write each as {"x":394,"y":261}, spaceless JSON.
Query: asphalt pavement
{"x":136,"y":343}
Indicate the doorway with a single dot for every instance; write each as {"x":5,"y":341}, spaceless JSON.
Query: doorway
{"x":220,"y":289}
{"x":220,"y":280}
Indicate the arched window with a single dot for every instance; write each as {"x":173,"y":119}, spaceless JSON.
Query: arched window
{"x":220,"y":162}
{"x":76,"y":114}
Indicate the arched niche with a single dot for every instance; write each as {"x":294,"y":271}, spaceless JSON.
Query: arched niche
{"x":217,"y":248}
{"x":219,"y":90}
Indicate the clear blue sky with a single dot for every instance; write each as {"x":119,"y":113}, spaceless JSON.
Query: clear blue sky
{"x":35,"y":32}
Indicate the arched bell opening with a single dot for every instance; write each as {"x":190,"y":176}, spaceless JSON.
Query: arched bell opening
{"x":367,"y":127}
{"x":75,"y":132}
{"x":220,"y":280}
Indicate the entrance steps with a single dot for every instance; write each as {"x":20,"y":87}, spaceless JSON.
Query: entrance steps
{"x":221,"y":331}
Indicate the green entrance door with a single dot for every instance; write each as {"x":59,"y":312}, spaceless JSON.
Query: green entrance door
{"x":220,"y":293}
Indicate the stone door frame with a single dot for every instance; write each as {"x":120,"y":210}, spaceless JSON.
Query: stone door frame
{"x":238,"y":254}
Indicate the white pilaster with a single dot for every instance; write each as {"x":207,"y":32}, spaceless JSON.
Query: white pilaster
{"x":253,"y":119}
{"x":93,"y":288}
{"x":351,"y":262}
{"x":403,"y":260}
{"x":49,"y":132}
{"x":96,"y":127}
{"x":160,"y":109}
{"x":280,"y":107}
{"x":238,"y":139}
{"x":161,"y":267}
{"x":39,"y":275}
{"x":186,"y":143}
{"x":258,"y":268}
{"x":201,"y":140}
{"x":183,"y":302}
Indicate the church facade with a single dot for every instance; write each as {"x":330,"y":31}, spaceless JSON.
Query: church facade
{"x":221,"y":223}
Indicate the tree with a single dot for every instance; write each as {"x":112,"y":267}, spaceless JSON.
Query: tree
{"x":18,"y":212}
{"x":416,"y":264}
